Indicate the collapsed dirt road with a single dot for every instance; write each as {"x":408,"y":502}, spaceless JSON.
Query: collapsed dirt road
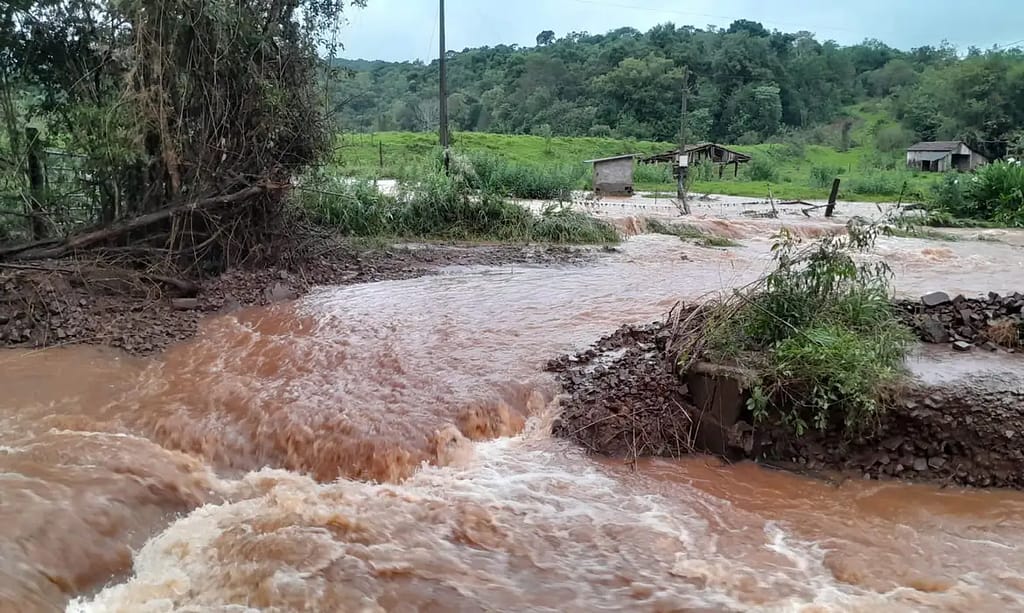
{"x":58,"y":303}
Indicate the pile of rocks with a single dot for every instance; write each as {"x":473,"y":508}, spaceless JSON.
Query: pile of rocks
{"x":965,"y":433}
{"x":989,"y":323}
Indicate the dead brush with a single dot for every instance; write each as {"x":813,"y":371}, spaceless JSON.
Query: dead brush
{"x":1004,"y":332}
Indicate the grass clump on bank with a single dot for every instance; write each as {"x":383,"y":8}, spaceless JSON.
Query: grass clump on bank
{"x":819,"y":330}
{"x":444,"y":207}
{"x":922,"y":233}
{"x":490,"y":173}
{"x":689,"y":232}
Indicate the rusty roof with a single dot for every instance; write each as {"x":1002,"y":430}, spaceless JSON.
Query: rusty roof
{"x":939,"y":145}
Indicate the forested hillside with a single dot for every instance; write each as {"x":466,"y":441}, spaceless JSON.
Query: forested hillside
{"x":747,"y":85}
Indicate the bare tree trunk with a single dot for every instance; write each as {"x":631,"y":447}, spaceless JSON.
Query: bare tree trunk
{"x":10,"y":115}
{"x":35,"y":169}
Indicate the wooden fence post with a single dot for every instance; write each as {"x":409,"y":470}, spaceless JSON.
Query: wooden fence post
{"x":832,"y":198}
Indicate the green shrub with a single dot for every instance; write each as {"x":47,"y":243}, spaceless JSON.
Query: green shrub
{"x":702,"y":171}
{"x":993,"y":193}
{"x":749,"y":138}
{"x":653,"y":173}
{"x":761,"y":168}
{"x":822,"y":176}
{"x":819,"y":330}
{"x":560,"y":224}
{"x":682,"y":230}
{"x":894,"y":138}
{"x":713,"y":240}
{"x":997,"y":192}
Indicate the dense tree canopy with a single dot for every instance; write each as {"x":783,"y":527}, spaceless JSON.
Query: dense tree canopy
{"x":746,"y":83}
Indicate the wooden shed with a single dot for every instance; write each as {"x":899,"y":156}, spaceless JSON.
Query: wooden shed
{"x":943,"y":156}
{"x":703,"y":152}
{"x":613,"y":176}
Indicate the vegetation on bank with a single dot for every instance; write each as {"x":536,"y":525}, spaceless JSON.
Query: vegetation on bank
{"x":688,"y":232}
{"x":993,"y":194}
{"x":453,"y":205}
{"x":819,"y":330}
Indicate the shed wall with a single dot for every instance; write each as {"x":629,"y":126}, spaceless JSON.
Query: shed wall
{"x":614,"y":177}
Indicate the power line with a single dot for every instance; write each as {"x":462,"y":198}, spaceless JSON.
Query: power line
{"x":708,"y":15}
{"x":1008,"y":45}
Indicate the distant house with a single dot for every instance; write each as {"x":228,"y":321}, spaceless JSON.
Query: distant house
{"x":613,"y":176}
{"x":942,"y":156}
{"x":703,"y":152}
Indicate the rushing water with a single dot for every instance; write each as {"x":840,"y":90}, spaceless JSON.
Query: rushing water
{"x":386,"y":447}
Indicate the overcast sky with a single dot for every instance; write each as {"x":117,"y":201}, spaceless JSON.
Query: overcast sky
{"x":407,"y":29}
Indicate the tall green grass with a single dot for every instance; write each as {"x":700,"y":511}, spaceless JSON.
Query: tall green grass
{"x":492,"y":173}
{"x":444,"y":207}
{"x":993,"y":193}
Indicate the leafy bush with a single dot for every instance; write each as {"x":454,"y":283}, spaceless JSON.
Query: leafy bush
{"x":894,"y":138}
{"x":994,"y":193}
{"x":819,"y":330}
{"x":560,"y":224}
{"x":682,"y":230}
{"x":760,"y":168}
{"x":822,"y":176}
{"x":749,"y":138}
{"x":653,"y":173}
{"x":702,"y":171}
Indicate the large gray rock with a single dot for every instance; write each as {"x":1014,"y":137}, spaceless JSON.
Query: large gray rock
{"x":962,"y":346}
{"x":935,"y":299}
{"x":934,"y":331}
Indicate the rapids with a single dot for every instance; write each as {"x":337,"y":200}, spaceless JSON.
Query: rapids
{"x":386,"y":447}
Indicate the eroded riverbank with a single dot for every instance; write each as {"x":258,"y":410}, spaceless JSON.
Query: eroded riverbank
{"x":955,"y":420}
{"x":247,"y":459}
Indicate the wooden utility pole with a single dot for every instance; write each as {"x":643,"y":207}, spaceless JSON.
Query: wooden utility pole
{"x":443,"y":101}
{"x":682,"y":162}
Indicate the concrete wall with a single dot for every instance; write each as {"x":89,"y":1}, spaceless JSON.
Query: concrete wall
{"x":614,"y":177}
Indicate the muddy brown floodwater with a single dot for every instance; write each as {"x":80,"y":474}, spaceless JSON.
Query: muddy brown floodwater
{"x":386,"y":447}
